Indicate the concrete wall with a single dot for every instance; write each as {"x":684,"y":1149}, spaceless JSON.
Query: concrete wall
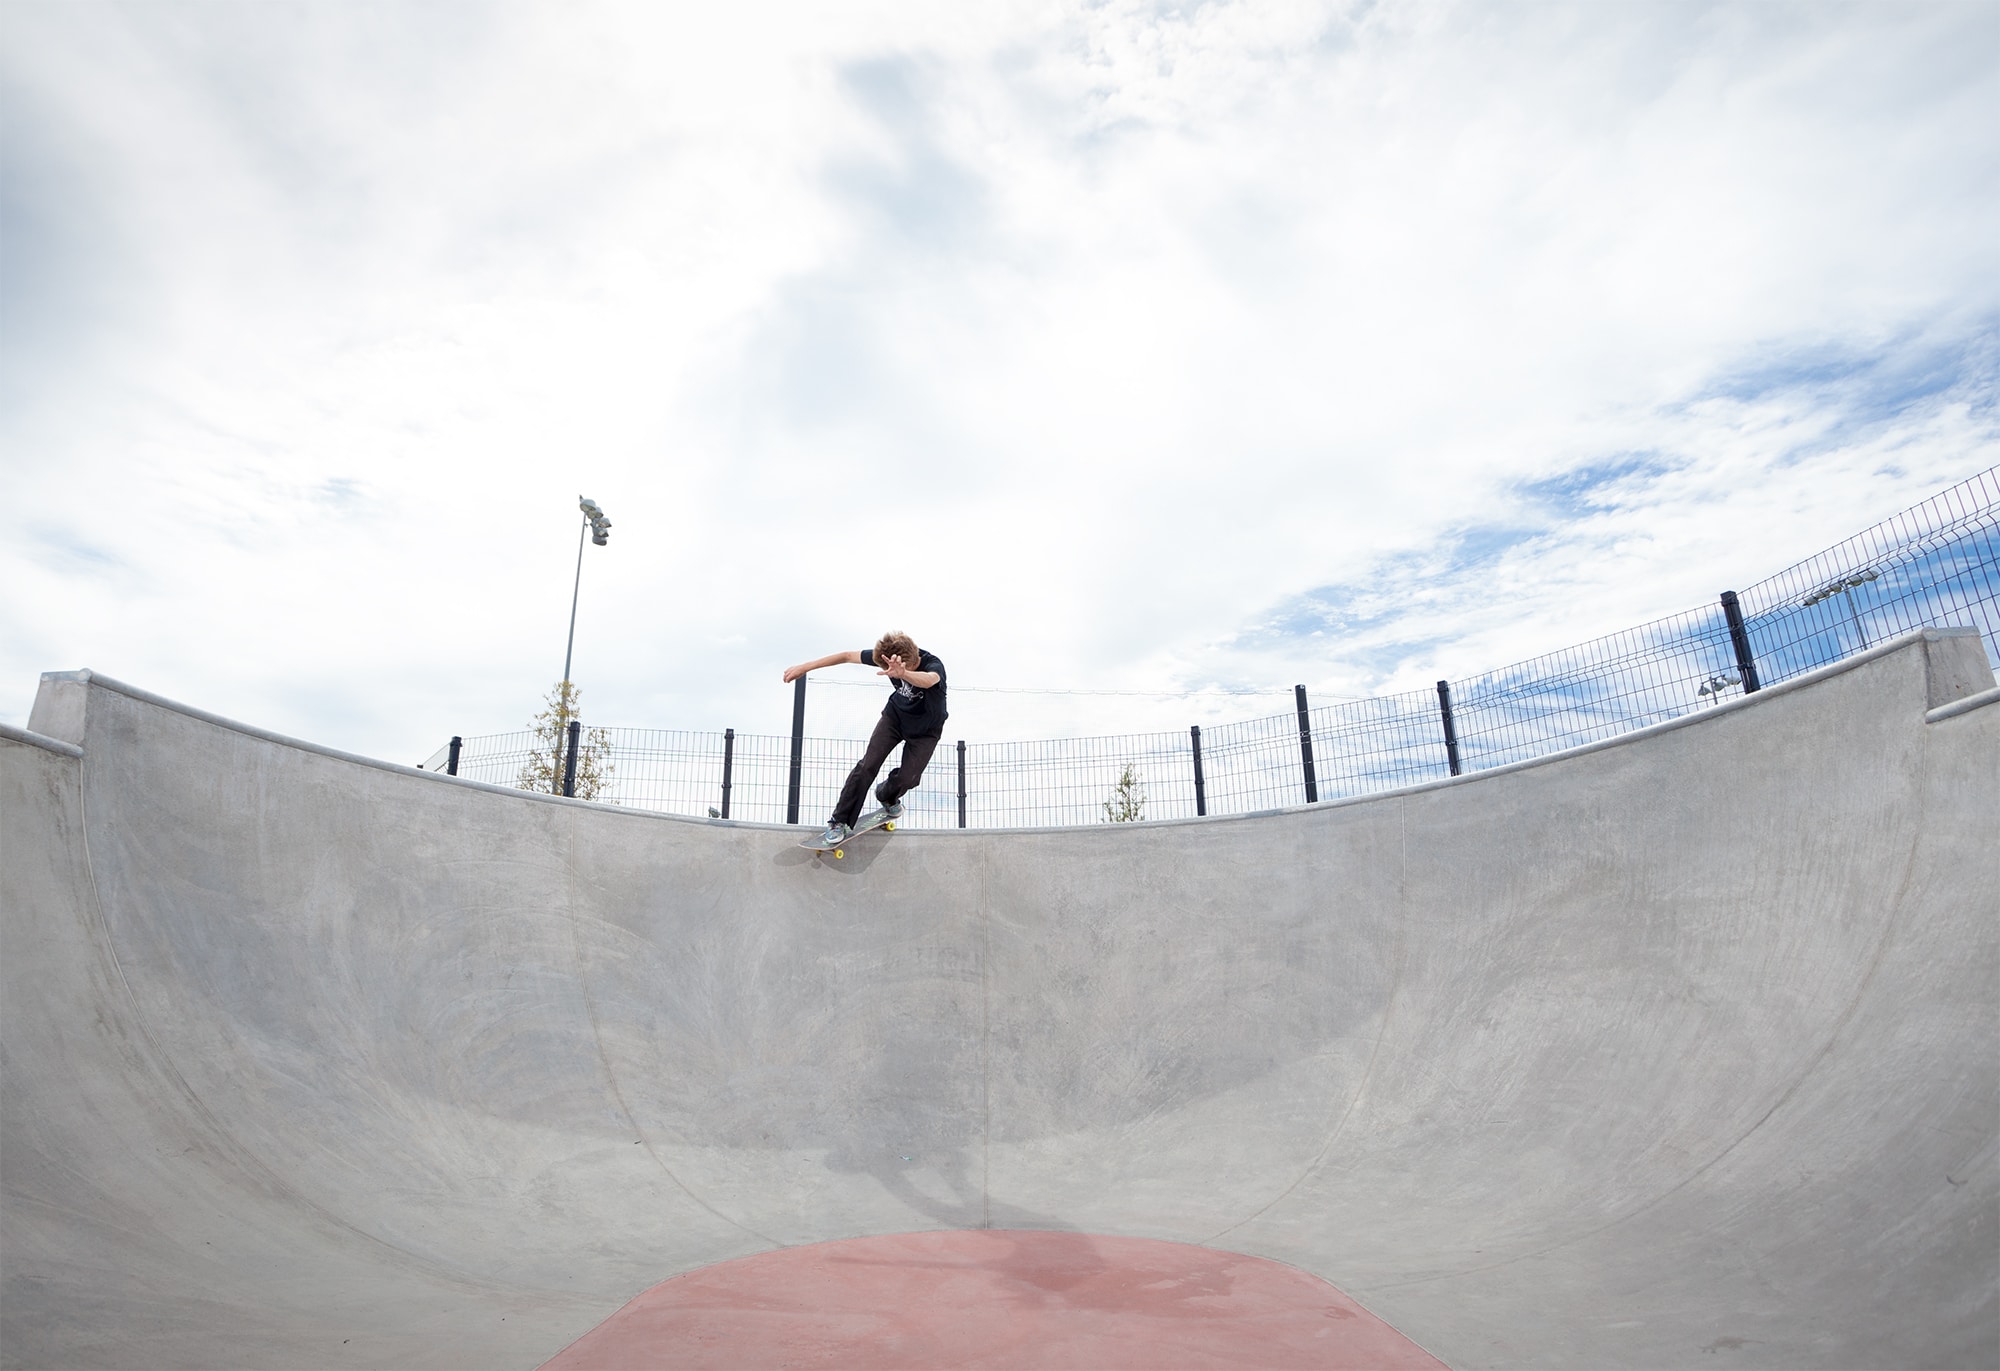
{"x":1672,"y":1051}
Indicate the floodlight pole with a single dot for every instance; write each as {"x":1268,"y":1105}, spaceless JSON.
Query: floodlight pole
{"x":599,"y":527}
{"x":1847,"y":594}
{"x":575,"y":591}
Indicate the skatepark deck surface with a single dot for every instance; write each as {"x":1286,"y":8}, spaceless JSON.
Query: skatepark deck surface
{"x":1678,"y":1050}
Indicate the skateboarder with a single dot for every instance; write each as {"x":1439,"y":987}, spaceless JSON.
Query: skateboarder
{"x":914,"y":717}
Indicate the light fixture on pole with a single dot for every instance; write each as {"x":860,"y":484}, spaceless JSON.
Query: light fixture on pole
{"x":1715,"y":685}
{"x":1846,"y":585}
{"x":599,"y":528}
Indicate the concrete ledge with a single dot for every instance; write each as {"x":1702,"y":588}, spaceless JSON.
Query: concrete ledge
{"x":22,"y":735}
{"x":1964,"y":706}
{"x":63,"y":696}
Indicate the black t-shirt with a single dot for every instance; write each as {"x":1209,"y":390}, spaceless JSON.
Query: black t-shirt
{"x":915,"y":713}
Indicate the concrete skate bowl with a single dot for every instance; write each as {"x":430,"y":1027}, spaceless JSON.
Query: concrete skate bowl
{"x":1673,"y":1051}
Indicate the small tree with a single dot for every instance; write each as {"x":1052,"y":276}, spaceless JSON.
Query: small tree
{"x":543,"y":771}
{"x":1128,"y":801}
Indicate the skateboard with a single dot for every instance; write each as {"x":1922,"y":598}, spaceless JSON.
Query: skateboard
{"x":874,"y":818}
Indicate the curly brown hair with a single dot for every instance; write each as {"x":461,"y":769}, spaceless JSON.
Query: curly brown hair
{"x":897,"y":645}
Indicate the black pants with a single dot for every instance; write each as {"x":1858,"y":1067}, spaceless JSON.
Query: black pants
{"x":916,"y":756}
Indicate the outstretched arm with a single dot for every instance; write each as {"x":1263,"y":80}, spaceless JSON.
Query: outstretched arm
{"x":895,"y":669}
{"x":792,"y":673}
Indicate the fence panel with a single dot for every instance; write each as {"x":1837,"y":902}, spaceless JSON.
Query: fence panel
{"x":1596,"y":690}
{"x":1932,"y":565}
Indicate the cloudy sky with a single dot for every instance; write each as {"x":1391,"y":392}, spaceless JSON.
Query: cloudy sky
{"x":1188,"y":351}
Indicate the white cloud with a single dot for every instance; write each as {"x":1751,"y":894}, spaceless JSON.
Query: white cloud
{"x":1079,"y":340}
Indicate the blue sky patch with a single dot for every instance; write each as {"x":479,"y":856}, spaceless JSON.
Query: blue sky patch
{"x":1595,"y":487}
{"x":61,"y":551}
{"x":921,"y":193}
{"x":1870,"y":385}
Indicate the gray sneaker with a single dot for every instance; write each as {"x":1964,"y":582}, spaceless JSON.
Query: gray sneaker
{"x":892,"y":808}
{"x":836,"y":833}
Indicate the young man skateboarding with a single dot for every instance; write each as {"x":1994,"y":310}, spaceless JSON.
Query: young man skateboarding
{"x":914,"y":717}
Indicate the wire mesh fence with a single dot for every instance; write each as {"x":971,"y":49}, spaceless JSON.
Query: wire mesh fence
{"x":1934,"y":565}
{"x":1596,"y":690}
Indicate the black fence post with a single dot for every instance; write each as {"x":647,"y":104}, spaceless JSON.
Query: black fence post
{"x":1200,"y":790}
{"x":1450,"y":729}
{"x":798,"y":750}
{"x":728,"y":763}
{"x":1306,"y":747}
{"x":569,"y":762}
{"x":451,"y":762}
{"x":1739,"y":638}
{"x":961,"y":783}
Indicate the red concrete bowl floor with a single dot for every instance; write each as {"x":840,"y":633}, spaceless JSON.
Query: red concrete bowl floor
{"x":992,"y":1298}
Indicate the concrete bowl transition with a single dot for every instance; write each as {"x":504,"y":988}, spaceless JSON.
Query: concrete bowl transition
{"x":1677,"y":1050}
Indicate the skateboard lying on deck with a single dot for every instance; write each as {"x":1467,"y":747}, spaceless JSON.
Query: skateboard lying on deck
{"x":874,"y":818}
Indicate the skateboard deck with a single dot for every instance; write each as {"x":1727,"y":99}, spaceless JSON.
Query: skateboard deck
{"x":874,"y":818}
